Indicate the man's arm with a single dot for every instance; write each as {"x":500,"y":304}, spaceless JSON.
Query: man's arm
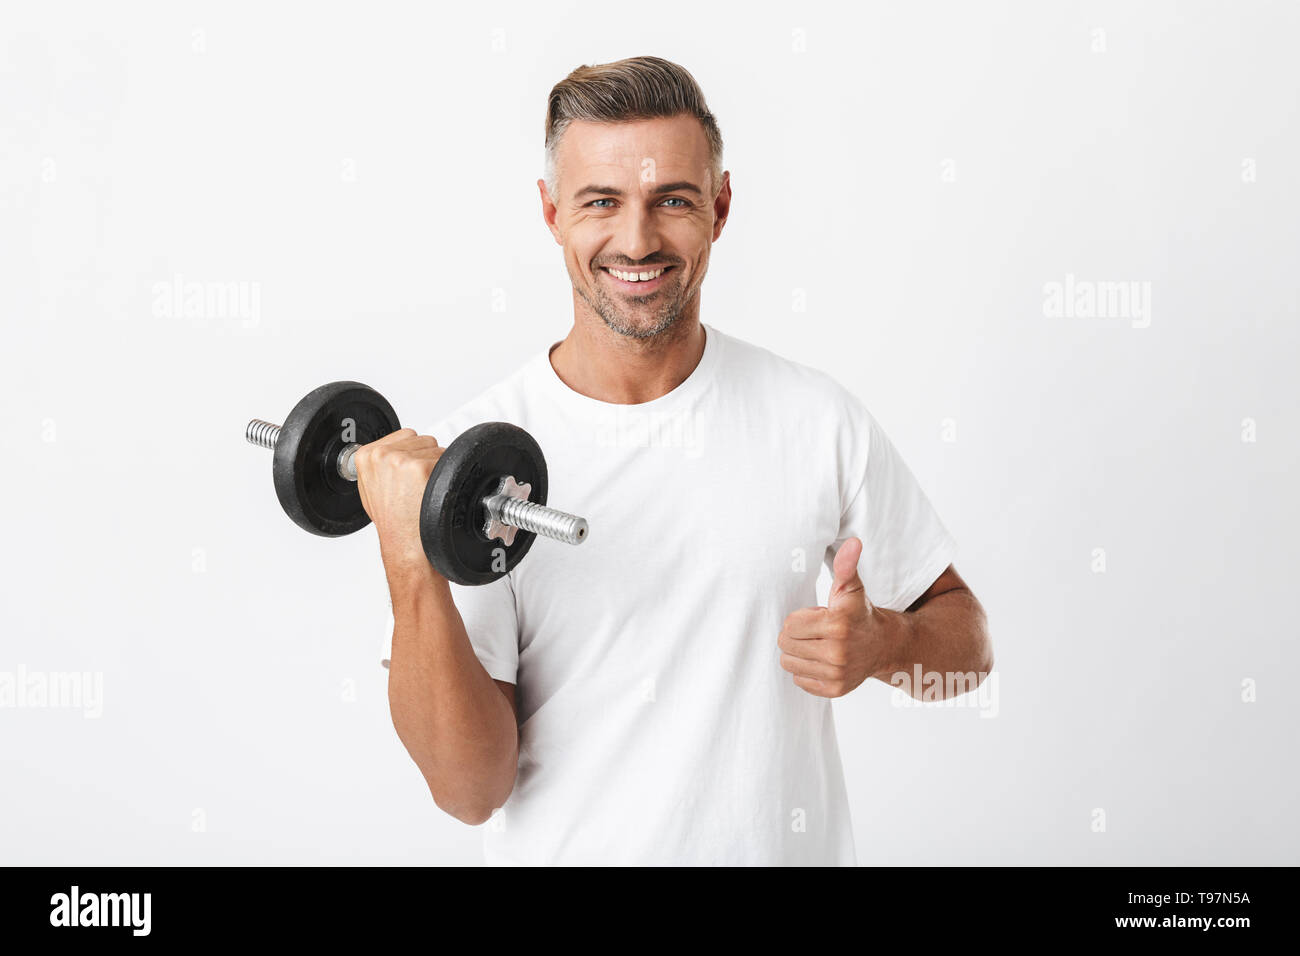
{"x":945,"y":631}
{"x":831,"y":650}
{"x":457,"y":723}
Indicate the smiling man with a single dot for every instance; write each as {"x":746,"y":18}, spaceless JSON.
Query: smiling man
{"x":662,"y":695}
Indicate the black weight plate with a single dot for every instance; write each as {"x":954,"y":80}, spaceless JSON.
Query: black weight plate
{"x":452,"y":516}
{"x":305,"y":469}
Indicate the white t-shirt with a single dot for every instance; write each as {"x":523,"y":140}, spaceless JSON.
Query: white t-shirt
{"x":656,"y":724}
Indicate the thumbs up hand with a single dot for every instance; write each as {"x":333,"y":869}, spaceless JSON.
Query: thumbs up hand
{"x":831,"y":650}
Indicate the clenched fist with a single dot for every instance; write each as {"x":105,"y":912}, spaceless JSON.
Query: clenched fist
{"x":391,"y":475}
{"x":831,"y":650}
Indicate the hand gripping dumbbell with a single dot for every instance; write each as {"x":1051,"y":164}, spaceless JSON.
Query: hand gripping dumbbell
{"x":483,"y":506}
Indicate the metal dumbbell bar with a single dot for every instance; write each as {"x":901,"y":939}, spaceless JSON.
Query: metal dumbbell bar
{"x":483,"y":505}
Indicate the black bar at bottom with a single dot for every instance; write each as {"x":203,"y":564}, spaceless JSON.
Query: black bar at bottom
{"x":913,"y":906}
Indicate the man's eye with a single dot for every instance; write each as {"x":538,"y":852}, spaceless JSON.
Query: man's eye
{"x":682,"y":203}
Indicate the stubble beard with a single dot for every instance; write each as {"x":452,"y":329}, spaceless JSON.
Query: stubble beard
{"x":638,"y":325}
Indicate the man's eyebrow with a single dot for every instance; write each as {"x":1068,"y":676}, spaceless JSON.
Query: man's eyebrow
{"x":677,"y":187}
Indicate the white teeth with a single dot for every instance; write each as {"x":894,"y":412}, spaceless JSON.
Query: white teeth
{"x":636,"y":276}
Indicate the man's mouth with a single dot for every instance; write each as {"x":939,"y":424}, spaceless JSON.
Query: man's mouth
{"x":638,"y":280}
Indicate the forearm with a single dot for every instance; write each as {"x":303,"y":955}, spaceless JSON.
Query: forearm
{"x":946,"y":636}
{"x":449,"y":713}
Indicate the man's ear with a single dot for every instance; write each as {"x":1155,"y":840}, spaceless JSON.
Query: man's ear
{"x":549,"y":211}
{"x":722,"y":205}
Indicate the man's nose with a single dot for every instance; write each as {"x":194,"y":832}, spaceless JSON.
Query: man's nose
{"x":638,"y":233}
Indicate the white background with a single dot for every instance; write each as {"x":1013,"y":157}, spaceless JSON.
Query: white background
{"x":914,"y":173}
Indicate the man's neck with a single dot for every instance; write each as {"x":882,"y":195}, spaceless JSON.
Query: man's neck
{"x":596,"y":361}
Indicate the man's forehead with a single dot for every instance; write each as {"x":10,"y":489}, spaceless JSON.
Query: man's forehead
{"x":676,"y":146}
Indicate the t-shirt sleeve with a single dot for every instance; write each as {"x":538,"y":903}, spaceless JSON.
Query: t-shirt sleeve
{"x":905,"y":546}
{"x":488,"y":610}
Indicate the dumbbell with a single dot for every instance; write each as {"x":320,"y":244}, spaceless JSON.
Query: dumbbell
{"x":484,"y":504}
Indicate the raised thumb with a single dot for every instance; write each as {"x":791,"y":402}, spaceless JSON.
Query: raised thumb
{"x":847,"y":586}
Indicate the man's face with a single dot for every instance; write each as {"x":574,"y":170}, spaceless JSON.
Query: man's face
{"x":636,"y":213}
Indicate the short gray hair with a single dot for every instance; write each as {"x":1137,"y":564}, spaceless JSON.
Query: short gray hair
{"x":641,"y":87}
